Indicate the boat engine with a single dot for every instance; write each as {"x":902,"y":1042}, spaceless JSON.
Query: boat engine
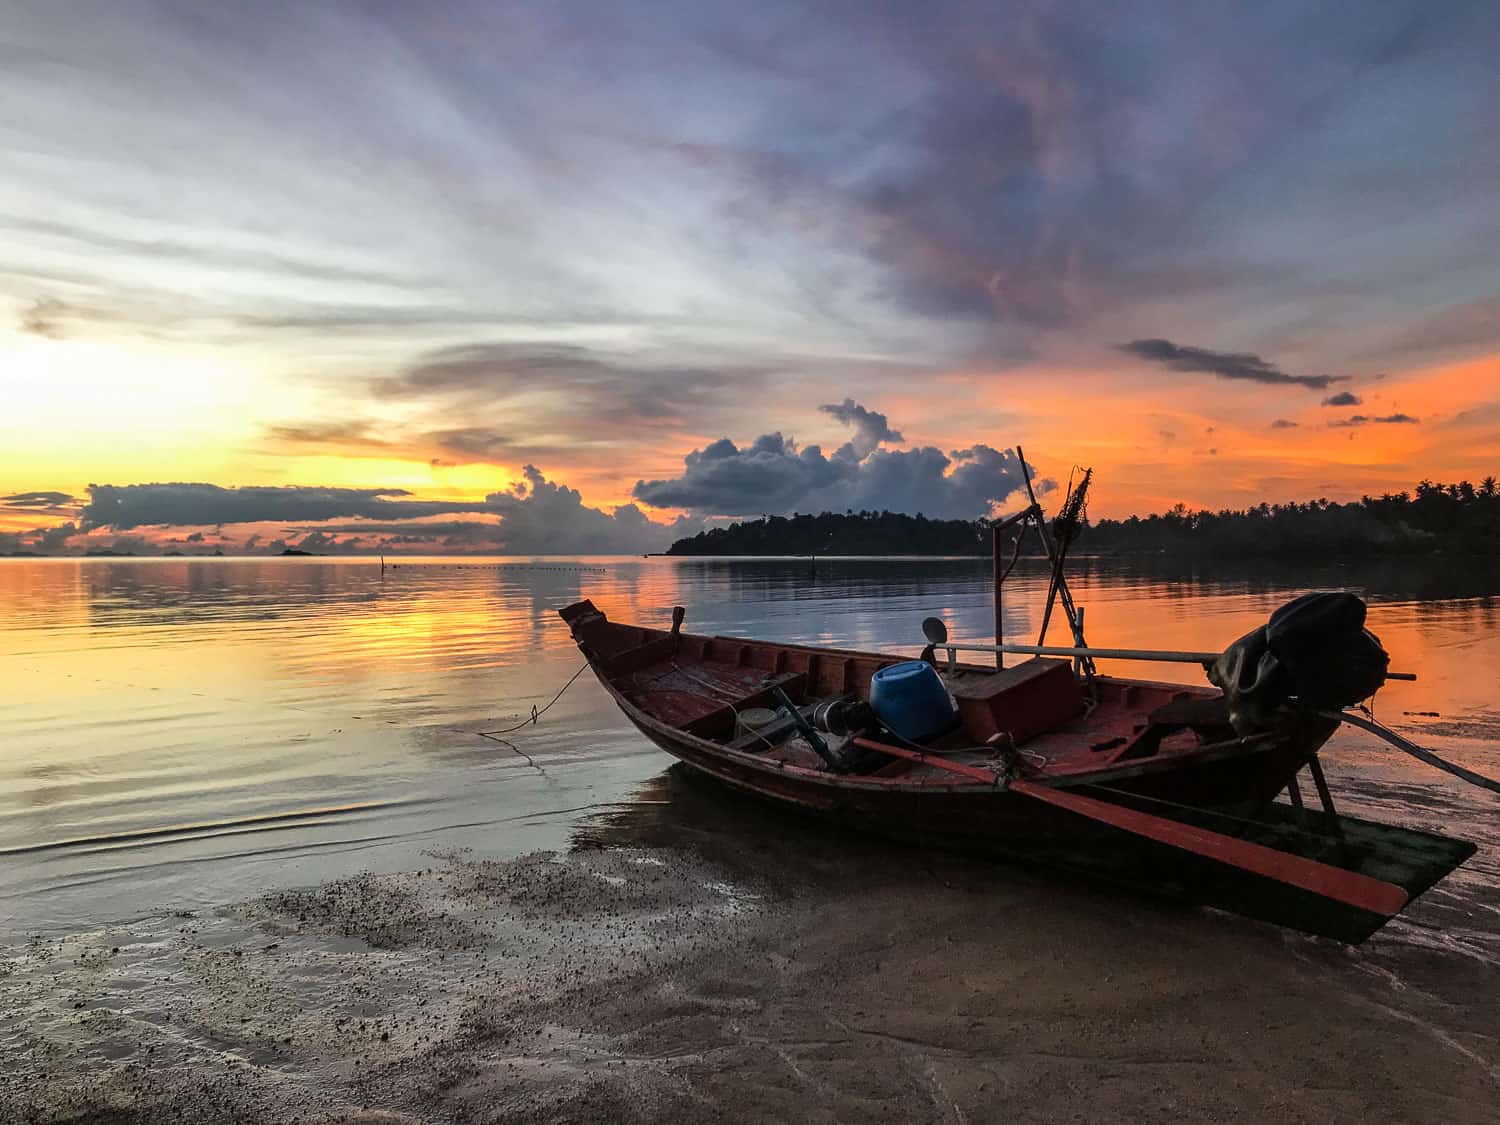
{"x":1314,"y":652}
{"x":843,"y":716}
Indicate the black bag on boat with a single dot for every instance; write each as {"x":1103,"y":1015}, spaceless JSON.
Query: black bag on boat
{"x":1321,"y":640}
{"x":1315,"y":649}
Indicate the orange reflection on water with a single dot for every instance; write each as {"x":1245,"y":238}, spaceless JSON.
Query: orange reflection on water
{"x":147,"y":693}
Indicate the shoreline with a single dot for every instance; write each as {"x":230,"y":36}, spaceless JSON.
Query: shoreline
{"x":698,"y":957}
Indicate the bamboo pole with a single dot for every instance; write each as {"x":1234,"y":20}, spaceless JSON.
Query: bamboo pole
{"x":1160,"y":656}
{"x":1167,"y":657}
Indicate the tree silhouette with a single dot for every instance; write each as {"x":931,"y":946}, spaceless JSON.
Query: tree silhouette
{"x":1436,"y":517}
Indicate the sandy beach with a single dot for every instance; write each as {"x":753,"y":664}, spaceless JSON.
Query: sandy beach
{"x":663,"y":970}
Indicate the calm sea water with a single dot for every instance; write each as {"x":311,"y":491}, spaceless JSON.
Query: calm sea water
{"x":176,"y":733}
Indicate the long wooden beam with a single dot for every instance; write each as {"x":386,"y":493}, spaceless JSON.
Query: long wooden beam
{"x":973,"y":773}
{"x":1349,"y":887}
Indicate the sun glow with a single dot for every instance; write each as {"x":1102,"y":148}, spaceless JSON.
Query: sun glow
{"x":81,"y":410}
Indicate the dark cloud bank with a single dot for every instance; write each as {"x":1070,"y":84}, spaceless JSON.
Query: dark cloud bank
{"x":536,"y":516}
{"x":772,"y":474}
{"x":35,"y":501}
{"x":1245,"y":366}
{"x":124,"y":507}
{"x":481,"y":379}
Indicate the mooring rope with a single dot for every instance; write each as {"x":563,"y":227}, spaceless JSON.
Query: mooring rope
{"x":1379,"y":730}
{"x":536,"y":714}
{"x":497,"y":735}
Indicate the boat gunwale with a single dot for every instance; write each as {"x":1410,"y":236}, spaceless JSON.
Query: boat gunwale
{"x":1211,"y":752}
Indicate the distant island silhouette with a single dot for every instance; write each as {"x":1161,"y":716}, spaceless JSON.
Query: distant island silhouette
{"x":1461,"y":517}
{"x":852,"y":533}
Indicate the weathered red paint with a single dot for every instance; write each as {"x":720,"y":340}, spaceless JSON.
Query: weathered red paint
{"x":1348,"y":887}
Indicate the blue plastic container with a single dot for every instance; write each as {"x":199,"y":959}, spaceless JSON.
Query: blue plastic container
{"x":911,"y":700}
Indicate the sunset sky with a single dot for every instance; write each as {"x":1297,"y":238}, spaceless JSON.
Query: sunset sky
{"x":552,"y":277}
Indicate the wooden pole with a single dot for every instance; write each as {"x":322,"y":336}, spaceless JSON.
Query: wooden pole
{"x":1294,"y":792}
{"x":1315,"y":767}
{"x":996,"y":539}
{"x":1061,"y":588}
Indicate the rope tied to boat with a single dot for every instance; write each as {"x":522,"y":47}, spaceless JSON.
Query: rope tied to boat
{"x":535,"y":712}
{"x":1381,"y":731}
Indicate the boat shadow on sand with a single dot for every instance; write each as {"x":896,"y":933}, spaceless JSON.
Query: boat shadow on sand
{"x":770,"y":844}
{"x":765,"y":842}
{"x":1444,"y":946}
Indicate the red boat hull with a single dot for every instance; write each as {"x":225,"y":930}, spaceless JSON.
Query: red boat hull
{"x":1196,"y":823}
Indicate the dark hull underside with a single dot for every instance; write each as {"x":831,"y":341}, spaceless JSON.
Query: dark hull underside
{"x":1004,"y":826}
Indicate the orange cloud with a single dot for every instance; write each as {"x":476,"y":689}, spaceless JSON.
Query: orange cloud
{"x":1157,"y":440}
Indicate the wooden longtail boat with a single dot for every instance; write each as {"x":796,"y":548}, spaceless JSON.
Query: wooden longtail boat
{"x":1168,"y":788}
{"x":1145,"y":783}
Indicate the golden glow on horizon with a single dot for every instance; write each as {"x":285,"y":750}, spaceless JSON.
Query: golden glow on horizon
{"x":133,"y":411}
{"x":358,"y":470}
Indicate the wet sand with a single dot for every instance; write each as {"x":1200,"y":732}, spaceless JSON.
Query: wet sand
{"x":700,"y":959}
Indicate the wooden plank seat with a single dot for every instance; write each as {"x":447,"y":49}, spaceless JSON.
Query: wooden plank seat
{"x":720,"y":721}
{"x":1189,"y":710}
{"x":1209,"y":718}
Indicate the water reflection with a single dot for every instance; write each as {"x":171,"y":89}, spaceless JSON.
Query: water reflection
{"x":140,"y":695}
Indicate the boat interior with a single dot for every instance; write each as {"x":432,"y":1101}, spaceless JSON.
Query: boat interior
{"x":1050,"y":719}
